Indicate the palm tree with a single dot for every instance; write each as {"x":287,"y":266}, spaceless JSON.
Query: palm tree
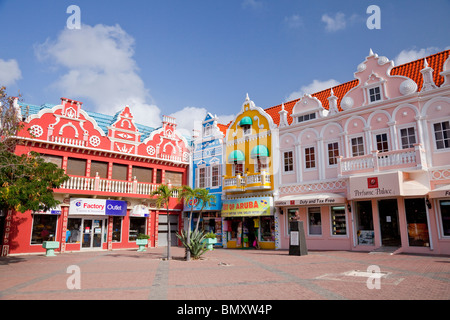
{"x":205,"y":198}
{"x":189,"y":195}
{"x":164,"y":193}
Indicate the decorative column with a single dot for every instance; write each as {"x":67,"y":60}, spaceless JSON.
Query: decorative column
{"x":5,"y":247}
{"x":64,"y":217}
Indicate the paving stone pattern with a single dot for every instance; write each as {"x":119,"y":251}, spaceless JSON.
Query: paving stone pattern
{"x":225,"y":274}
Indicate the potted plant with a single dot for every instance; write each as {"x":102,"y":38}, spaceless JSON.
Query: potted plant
{"x":142,"y":241}
{"x":210,"y":240}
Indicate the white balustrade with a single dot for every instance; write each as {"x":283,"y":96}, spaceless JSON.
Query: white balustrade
{"x":377,"y":160}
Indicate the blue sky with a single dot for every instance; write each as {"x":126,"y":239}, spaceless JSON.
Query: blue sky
{"x":186,"y":57}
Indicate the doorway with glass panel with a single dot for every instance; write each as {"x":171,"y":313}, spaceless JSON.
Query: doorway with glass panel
{"x":93,"y":231}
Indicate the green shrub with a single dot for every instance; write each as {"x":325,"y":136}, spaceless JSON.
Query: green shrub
{"x":196,"y":246}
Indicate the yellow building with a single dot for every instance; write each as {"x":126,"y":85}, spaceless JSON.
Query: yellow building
{"x":252,"y":157}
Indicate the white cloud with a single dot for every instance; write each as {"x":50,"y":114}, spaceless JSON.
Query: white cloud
{"x":9,"y":72}
{"x":335,"y":23}
{"x":191,"y":118}
{"x":294,"y":21}
{"x":100,"y":66}
{"x":406,"y":56}
{"x":253,"y":4}
{"x":315,"y":86}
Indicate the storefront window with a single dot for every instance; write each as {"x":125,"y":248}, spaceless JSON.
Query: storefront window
{"x":445,"y":215}
{"x":73,"y":233}
{"x":416,"y":218}
{"x":117,"y":229}
{"x":364,"y":222}
{"x":338,"y":221}
{"x":267,"y":229}
{"x":315,"y":221}
{"x":44,"y":228}
{"x":137,"y":226}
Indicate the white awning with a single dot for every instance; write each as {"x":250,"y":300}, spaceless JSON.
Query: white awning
{"x":441,"y":192}
{"x":139,"y":210}
{"x":311,"y":199}
{"x":413,"y":188}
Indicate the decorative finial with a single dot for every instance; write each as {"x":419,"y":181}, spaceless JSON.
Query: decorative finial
{"x":331,"y":93}
{"x":282,"y":106}
{"x":247,"y":98}
{"x":425,"y":63}
{"x":371,"y":52}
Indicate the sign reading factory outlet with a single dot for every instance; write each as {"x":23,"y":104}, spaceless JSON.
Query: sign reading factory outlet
{"x":98,"y":207}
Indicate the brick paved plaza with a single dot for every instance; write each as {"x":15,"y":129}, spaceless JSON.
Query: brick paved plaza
{"x":225,"y":274}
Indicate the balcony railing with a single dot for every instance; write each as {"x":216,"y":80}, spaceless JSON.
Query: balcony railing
{"x":109,"y":185}
{"x":252,"y":181}
{"x":397,"y":159}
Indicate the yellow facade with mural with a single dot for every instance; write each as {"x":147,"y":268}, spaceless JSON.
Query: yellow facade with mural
{"x":248,"y":174}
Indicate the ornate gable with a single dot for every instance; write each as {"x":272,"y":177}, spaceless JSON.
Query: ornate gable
{"x":376,"y":83}
{"x":123,"y":133}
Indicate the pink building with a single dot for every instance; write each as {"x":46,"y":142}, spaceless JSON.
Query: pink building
{"x":366,"y":164}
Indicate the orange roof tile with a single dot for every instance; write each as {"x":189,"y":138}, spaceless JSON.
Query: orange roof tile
{"x":223,"y":127}
{"x":410,"y":70}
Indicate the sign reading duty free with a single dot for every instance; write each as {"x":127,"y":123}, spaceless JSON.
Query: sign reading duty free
{"x":98,"y":207}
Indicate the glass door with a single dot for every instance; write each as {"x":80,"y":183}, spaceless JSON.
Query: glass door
{"x":87,"y":233}
{"x":92,"y":233}
{"x":388,"y":212}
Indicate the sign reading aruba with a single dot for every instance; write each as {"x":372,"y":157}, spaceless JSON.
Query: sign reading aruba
{"x":247,"y":207}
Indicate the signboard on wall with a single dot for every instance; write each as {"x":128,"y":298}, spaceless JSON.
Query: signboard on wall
{"x":215,"y":205}
{"x":382,"y":185}
{"x":97,"y":207}
{"x":247,"y":207}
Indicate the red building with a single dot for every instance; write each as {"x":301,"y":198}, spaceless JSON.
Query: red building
{"x":113,"y":163}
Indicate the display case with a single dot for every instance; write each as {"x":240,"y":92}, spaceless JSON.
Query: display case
{"x":338,"y":221}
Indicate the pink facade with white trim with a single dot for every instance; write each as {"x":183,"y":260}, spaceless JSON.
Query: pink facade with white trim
{"x":372,"y":171}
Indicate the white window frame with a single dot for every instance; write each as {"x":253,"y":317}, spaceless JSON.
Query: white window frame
{"x":388,"y":140}
{"x":369,"y":95}
{"x":219,"y":173}
{"x":293,"y":161}
{"x":445,"y":149}
{"x":305,"y":115}
{"x":406,"y":127}
{"x":328,"y":153}
{"x":315,"y":158}
{"x":199,"y":169}
{"x":351,"y":145}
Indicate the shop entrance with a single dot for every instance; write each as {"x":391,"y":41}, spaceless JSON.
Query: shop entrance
{"x":388,"y":212}
{"x":250,"y":233}
{"x":92,"y":233}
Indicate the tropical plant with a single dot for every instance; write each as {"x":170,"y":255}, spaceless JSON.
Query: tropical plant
{"x":210,"y":235}
{"x":27,"y":181}
{"x":189,"y":195}
{"x":206,"y":199}
{"x":143,"y":236}
{"x":196,"y":246}
{"x":163,"y":194}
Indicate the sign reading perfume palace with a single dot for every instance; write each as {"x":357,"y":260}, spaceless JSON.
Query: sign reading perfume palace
{"x":384,"y":185}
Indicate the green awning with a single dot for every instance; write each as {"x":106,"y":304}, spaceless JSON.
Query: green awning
{"x":245,"y":121}
{"x":259,"y":152}
{"x":236,"y":155}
